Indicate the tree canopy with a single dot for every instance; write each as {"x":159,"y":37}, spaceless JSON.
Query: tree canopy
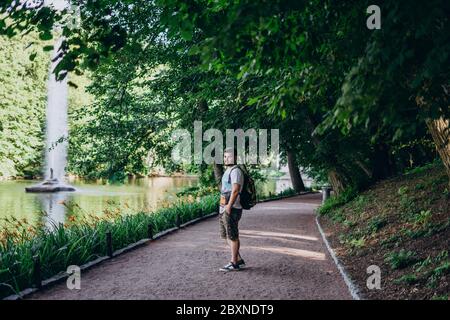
{"x":353,"y":105}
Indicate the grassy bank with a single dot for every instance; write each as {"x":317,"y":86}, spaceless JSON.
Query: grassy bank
{"x":83,"y":241}
{"x":401,"y":225}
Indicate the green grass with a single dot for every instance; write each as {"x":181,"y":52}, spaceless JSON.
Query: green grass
{"x":408,"y":279}
{"x":422,"y":169}
{"x":337,"y":201}
{"x":441,"y":297}
{"x":79,"y":243}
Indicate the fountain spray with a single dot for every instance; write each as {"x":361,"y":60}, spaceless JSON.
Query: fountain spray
{"x":57,"y":123}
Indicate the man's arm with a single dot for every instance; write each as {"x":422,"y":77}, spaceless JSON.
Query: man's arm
{"x":235,"y":188}
{"x":234,"y":193}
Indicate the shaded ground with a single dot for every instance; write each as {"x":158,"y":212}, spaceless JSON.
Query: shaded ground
{"x":285,"y":256}
{"x":401,"y":225}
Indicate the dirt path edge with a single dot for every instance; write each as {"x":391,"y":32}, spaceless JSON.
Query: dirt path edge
{"x":352,"y":287}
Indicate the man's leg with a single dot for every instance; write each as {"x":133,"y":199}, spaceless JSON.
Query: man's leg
{"x":238,"y":240}
{"x":223,"y":231}
{"x":239,"y":249}
{"x":229,"y":244}
{"x":234,"y":245}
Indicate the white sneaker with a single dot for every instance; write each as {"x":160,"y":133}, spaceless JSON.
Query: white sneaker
{"x":230,"y":267}
{"x":241,"y":263}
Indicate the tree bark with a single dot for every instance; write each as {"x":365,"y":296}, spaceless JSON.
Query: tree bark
{"x":218,"y":173}
{"x":364,"y":168}
{"x":439,"y":128}
{"x":294,"y":172}
{"x":336,"y":181}
{"x":440,"y":131}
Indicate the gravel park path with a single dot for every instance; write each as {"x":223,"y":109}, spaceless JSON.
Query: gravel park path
{"x":285,"y":255}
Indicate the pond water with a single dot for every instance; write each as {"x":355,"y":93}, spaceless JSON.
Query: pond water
{"x":142,"y":194}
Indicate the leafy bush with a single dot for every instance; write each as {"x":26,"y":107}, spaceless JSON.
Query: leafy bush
{"x":376,"y":224}
{"x":401,"y":259}
{"x":357,"y":243}
{"x":422,"y":218}
{"x":424,"y":168}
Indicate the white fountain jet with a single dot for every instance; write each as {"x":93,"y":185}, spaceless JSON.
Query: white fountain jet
{"x":57,"y":127}
{"x":57,"y":124}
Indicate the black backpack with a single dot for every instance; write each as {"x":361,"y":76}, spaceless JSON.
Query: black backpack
{"x":248,"y":193}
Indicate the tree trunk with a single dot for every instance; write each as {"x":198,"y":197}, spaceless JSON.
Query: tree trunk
{"x":294,"y":172}
{"x":202,"y":106}
{"x":382,"y":163}
{"x":440,"y":131}
{"x":336,"y":181}
{"x":364,"y":168}
{"x":218,"y":173}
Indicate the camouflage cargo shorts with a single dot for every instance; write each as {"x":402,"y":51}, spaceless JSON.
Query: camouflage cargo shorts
{"x":229,"y":224}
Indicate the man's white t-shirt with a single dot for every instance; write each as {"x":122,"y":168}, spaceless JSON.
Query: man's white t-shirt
{"x":237,"y":176}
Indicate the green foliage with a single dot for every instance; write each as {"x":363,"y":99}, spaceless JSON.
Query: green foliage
{"x":351,"y":104}
{"x":442,"y":269}
{"x":401,"y":259}
{"x":116,"y":134}
{"x":407,"y":278}
{"x":376,"y":224}
{"x":24,"y":71}
{"x":285,"y":193}
{"x":398,"y":238}
{"x":437,"y":273}
{"x":427,"y":229}
{"x":443,"y":297}
{"x":22,"y":106}
{"x":337,"y":201}
{"x":422,"y":218}
{"x":197,"y":191}
{"x":407,"y":203}
{"x":392,"y":241}
{"x":423,"y":168}
{"x":357,"y":243}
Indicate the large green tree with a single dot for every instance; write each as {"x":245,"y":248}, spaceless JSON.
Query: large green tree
{"x":22,"y":106}
{"x":348,"y":96}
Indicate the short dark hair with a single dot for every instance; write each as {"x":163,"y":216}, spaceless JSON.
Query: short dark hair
{"x":232,"y":150}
